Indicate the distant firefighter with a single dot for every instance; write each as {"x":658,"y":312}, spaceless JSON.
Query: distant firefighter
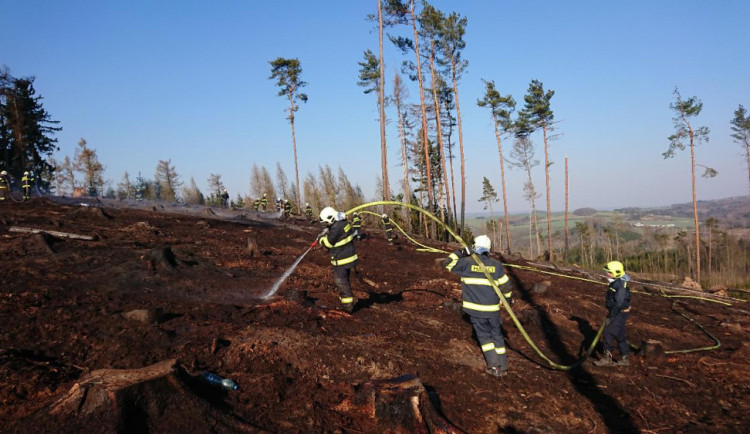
{"x":617,"y":303}
{"x":388,"y":228}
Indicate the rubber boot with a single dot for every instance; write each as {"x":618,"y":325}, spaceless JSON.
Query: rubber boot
{"x":624,"y":361}
{"x":495,"y":371}
{"x":606,"y":360}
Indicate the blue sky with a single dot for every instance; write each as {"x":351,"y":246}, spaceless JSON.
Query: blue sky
{"x":188,"y":81}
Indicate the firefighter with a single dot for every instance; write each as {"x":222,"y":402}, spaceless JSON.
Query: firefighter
{"x":617,"y":303}
{"x":225,"y":198}
{"x":338,"y":238}
{"x":264,"y":202}
{"x":388,"y":229}
{"x":481,"y":302}
{"x":357,"y":225}
{"x":279,"y":204}
{"x":256,"y":204}
{"x":287,"y":208}
{"x":309,"y":213}
{"x":26,"y":181}
{"x":4,"y":185}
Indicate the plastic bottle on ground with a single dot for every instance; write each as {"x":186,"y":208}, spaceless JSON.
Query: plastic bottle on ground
{"x":215,"y":380}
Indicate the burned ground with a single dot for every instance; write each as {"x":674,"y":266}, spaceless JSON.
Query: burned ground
{"x":178,"y":289}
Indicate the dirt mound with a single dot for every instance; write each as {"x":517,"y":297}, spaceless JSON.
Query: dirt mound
{"x":109,"y":330}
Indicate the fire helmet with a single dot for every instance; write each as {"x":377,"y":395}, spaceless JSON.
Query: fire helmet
{"x":482,"y":244}
{"x":328,"y":215}
{"x":615,"y":267}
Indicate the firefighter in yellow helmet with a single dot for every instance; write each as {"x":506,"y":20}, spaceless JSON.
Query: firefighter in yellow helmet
{"x":338,"y":238}
{"x":481,"y":302}
{"x":388,"y":228}
{"x":26,"y":181}
{"x":617,"y":303}
{"x":309,"y":213}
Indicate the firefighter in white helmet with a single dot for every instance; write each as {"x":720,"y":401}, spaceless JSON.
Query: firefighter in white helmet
{"x":4,"y":184}
{"x":481,"y":302}
{"x":338,"y":238}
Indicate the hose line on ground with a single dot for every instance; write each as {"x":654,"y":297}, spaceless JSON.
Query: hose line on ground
{"x":503,"y":301}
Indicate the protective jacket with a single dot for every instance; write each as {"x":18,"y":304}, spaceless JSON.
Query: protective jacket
{"x":479,"y":298}
{"x":357,"y":222}
{"x":388,"y":229}
{"x":308,"y":211}
{"x":338,"y":240}
{"x":618,"y":296}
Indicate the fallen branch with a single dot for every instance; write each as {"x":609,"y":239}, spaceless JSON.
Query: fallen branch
{"x":678,"y":379}
{"x":53,"y":233}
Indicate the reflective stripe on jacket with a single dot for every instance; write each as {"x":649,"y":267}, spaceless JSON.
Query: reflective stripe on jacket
{"x":339,"y":243}
{"x":479,"y":298}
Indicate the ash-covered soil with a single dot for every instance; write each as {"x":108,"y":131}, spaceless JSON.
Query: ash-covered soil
{"x":110,"y":334}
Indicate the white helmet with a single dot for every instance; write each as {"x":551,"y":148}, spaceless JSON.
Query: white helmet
{"x":385,"y":216}
{"x":482,"y":244}
{"x":307,"y":204}
{"x":26,"y":173}
{"x":328,"y":215}
{"x":4,"y":173}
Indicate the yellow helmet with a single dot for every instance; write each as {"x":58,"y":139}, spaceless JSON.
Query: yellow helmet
{"x":615,"y":267}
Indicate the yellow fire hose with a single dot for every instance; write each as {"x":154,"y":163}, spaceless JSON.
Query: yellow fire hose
{"x":507,"y":307}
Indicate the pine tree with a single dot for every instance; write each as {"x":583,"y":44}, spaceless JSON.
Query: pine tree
{"x":741,"y":128}
{"x":287,"y":73}
{"x":167,"y":180}
{"x":488,"y":197}
{"x":86,"y":161}
{"x":537,"y":114}
{"x":684,"y":110}
{"x":501,"y":108}
{"x":26,"y":129}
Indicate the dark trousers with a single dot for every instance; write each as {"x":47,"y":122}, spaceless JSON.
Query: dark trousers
{"x":341,"y":278}
{"x":616,"y":330}
{"x":490,"y":337}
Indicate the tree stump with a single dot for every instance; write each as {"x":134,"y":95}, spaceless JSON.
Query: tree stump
{"x":398,"y":405}
{"x":252,"y":246}
{"x":652,"y":350}
{"x":163,"y":256}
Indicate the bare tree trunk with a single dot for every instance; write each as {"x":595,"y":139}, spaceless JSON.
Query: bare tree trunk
{"x":405,"y":162}
{"x":695,"y":207}
{"x":423,"y":109}
{"x":439,"y":129}
{"x":549,"y":211}
{"x":502,"y":178}
{"x":567,"y":197}
{"x":294,"y":144}
{"x":381,"y":105}
{"x":461,"y":145}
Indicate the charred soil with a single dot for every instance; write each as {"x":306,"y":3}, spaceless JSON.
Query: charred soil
{"x":111,"y":333}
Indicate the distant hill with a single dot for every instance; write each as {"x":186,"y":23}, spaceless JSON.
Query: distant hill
{"x":731,"y":211}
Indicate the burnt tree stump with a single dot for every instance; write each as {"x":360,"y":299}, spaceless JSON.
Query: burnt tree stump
{"x":652,"y":350}
{"x":398,"y":405}
{"x":252,"y":246}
